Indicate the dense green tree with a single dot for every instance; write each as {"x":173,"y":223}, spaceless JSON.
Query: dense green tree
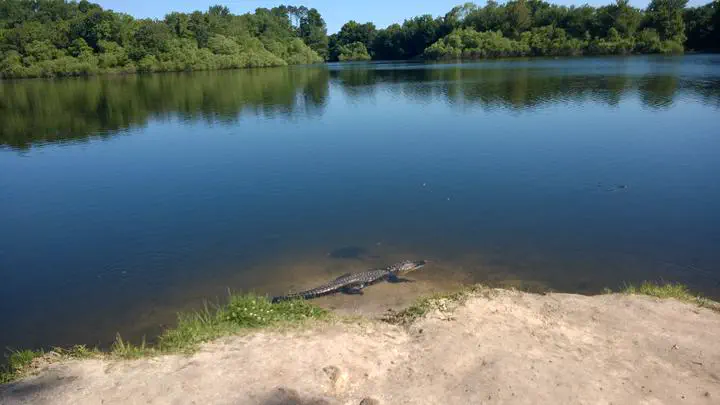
{"x":313,"y":30}
{"x":151,"y":38}
{"x":58,"y":38}
{"x":419,"y":33}
{"x":666,"y":16}
{"x":489,"y":18}
{"x":468,"y":43}
{"x":355,"y":51}
{"x":700,"y":28}
{"x":389,"y":43}
{"x":518,"y":18}
{"x":179,"y":24}
{"x":580,"y":21}
{"x":350,"y":33}
{"x":621,"y":16}
{"x":716,"y":25}
{"x":456,"y":17}
{"x":648,"y":41}
{"x":80,"y":49}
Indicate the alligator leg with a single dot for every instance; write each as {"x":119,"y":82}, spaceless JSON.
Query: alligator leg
{"x":356,"y":290}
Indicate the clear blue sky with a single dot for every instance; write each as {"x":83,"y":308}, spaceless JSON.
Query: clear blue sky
{"x":335,"y":12}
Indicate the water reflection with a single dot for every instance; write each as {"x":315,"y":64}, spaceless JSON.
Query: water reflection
{"x":39,"y":111}
{"x":525,"y":88}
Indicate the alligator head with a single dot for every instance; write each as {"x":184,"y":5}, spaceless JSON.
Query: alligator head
{"x":407,"y":266}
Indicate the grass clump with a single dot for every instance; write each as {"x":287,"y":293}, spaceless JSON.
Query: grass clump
{"x":77,"y":352}
{"x":128,"y":350}
{"x":443,"y":302}
{"x":671,"y":290}
{"x":17,"y":363}
{"x":242,"y":312}
{"x":22,"y":362}
{"x":254,"y":312}
{"x":666,"y":290}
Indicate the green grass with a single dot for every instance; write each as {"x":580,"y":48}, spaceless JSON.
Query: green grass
{"x":677,"y":291}
{"x":77,"y":352}
{"x":424,"y":305}
{"x":17,"y":363}
{"x":241,"y":313}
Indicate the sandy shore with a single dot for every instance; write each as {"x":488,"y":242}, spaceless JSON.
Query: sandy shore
{"x":500,"y":347}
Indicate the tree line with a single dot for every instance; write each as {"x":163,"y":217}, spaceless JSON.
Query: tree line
{"x":48,"y":38}
{"x":535,"y":28}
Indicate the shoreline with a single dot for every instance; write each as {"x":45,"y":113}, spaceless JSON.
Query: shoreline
{"x":197,"y":334}
{"x":447,"y":60}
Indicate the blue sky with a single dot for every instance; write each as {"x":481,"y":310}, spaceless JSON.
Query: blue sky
{"x":335,"y":12}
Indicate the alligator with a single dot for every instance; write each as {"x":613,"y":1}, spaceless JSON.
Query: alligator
{"x":353,"y":283}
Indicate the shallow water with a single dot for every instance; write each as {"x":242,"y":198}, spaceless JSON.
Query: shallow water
{"x":125,"y":199}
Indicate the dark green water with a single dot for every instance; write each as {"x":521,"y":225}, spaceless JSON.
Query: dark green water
{"x":124,"y":199}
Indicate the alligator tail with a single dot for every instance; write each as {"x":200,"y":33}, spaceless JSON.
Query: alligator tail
{"x":305,"y":295}
{"x":290,"y":297}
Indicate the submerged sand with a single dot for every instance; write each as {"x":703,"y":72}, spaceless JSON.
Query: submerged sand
{"x":499,"y":347}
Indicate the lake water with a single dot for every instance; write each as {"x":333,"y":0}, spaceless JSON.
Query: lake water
{"x":126,"y":199}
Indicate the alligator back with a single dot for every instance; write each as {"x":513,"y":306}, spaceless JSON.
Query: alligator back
{"x":345,"y":281}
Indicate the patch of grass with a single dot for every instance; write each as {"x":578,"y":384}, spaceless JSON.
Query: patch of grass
{"x":242,"y":312}
{"x":127,"y":350}
{"x":17,"y":363}
{"x":442,"y":302}
{"x":666,"y":290}
{"x":671,"y":290}
{"x":77,"y":352}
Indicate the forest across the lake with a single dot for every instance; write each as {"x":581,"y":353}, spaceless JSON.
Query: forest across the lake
{"x":51,"y":38}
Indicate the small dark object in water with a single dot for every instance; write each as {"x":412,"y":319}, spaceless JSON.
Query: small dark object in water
{"x":614,"y":187}
{"x":348,"y":252}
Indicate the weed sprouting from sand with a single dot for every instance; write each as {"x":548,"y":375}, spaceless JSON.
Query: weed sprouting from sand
{"x":677,"y":291}
{"x":128,"y":350}
{"x":17,"y":362}
{"x":667,"y":290}
{"x":425,"y":305}
{"x":77,"y":352}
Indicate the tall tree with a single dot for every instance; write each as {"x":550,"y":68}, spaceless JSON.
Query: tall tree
{"x":666,"y":16}
{"x":626,"y":18}
{"x":313,"y":31}
{"x":350,"y":33}
{"x":699,"y":26}
{"x":519,"y":18}
{"x":455,"y":18}
{"x":716,"y":25}
{"x":420,"y":32}
{"x":389,"y":43}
